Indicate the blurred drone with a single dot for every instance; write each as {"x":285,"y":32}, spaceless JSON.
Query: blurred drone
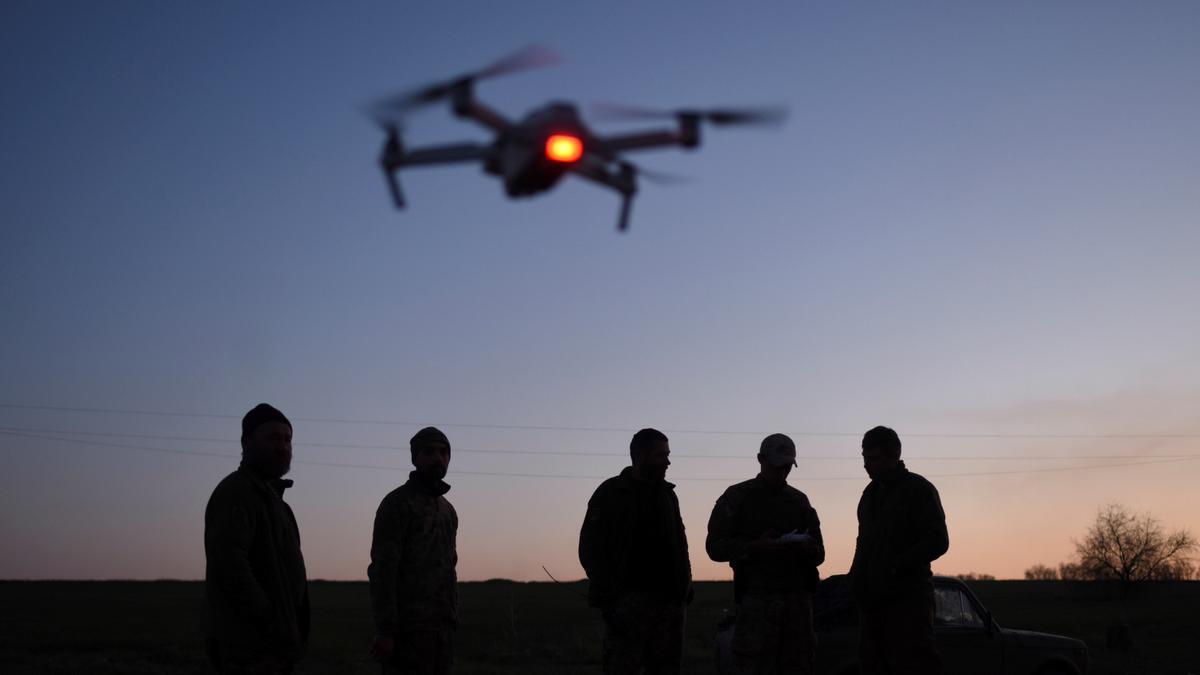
{"x":531,"y":155}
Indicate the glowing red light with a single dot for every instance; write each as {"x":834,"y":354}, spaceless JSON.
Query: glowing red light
{"x":564,"y":148}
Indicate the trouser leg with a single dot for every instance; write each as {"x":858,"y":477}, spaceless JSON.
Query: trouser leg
{"x":664,"y":652}
{"x":774,"y":634}
{"x":897,"y":639}
{"x":872,"y":643}
{"x":910,"y":629}
{"x":643,"y":635}
{"x":756,"y":635}
{"x":797,"y":641}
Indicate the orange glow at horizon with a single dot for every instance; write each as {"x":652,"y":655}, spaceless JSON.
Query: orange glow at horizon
{"x":564,"y":148}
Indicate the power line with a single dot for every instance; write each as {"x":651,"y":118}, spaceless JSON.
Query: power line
{"x":589,"y":477}
{"x":528,"y":427}
{"x":588,"y":453}
{"x":172,"y":451}
{"x":340,"y":465}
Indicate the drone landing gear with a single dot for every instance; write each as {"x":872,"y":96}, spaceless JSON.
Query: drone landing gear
{"x":394,"y":187}
{"x":390,"y":159}
{"x":627,"y":185}
{"x":623,"y":219}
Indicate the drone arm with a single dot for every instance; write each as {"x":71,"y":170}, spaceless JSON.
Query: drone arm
{"x":394,"y":157}
{"x":687,"y":135}
{"x":441,"y":154}
{"x":483,"y":115}
{"x":465,"y":105}
{"x":639,"y":141}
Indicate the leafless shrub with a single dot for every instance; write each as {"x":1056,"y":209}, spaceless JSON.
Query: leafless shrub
{"x":1041,"y":572}
{"x":976,"y":576}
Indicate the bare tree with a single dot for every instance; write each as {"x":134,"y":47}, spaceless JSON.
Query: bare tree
{"x":1041,"y":572}
{"x":1071,"y":572}
{"x":1180,"y":570}
{"x":1129,"y":548}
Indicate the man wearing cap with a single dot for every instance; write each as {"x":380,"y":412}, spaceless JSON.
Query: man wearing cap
{"x":901,"y":530}
{"x":770,"y":535}
{"x":254,"y":581}
{"x":633,"y":547}
{"x":414,"y":596}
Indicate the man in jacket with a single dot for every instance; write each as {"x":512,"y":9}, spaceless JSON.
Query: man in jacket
{"x":901,"y":530}
{"x":633,"y":547}
{"x":414,"y":593}
{"x":254,"y":582}
{"x":771,"y":536}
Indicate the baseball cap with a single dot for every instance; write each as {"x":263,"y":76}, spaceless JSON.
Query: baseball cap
{"x":778,"y":450}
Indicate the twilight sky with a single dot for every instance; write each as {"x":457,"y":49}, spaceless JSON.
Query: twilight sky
{"x":979,"y":226}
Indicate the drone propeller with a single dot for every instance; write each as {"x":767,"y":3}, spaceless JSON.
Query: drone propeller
{"x":390,"y":123}
{"x":757,"y":116}
{"x":533,"y":56}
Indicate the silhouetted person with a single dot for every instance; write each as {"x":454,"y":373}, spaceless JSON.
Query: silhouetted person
{"x":634,"y":550}
{"x":901,"y":530}
{"x":414,"y":592}
{"x":770,"y":535}
{"x":254,"y":581}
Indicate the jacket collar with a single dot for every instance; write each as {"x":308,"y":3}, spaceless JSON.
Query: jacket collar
{"x":894,"y":476}
{"x":432,"y":489}
{"x":274,"y":486}
{"x":760,"y":484}
{"x":628,"y":482}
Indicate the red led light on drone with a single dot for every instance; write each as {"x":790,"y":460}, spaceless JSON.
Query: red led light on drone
{"x":564,"y":148}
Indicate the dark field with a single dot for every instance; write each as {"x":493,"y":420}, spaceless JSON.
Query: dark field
{"x":537,"y":628}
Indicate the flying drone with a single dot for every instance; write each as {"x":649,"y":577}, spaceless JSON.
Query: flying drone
{"x":531,"y":155}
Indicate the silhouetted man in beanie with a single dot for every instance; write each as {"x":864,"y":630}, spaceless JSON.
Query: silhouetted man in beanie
{"x":414,"y":593}
{"x":634,"y":550}
{"x":254,"y":581}
{"x":901,"y":530}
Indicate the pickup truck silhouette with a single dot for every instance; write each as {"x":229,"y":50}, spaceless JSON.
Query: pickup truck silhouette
{"x":968,"y":638}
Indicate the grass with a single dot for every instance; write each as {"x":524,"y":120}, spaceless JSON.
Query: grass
{"x":110,"y":627}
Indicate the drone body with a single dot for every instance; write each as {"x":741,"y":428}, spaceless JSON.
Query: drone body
{"x":537,"y":152}
{"x":531,"y":155}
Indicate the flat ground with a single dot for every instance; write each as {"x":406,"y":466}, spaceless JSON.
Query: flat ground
{"x":530,"y":628}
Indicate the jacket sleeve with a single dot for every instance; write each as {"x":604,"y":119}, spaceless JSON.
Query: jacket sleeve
{"x":814,"y":531}
{"x":592,"y":539}
{"x":683,"y":545}
{"x":228,"y":534}
{"x":386,"y":545}
{"x":932,"y":539}
{"x":683,"y":548}
{"x":723,"y":543}
{"x":304,"y":617}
